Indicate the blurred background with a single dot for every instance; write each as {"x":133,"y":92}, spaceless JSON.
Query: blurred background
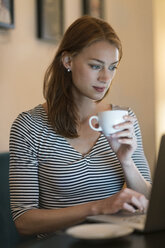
{"x":140,"y":79}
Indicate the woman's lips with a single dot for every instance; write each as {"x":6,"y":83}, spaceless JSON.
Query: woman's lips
{"x":99,"y":89}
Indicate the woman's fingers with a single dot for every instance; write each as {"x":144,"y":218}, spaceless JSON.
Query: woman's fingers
{"x":128,"y":207}
{"x":129,"y":133}
{"x":128,"y":141}
{"x":126,"y":199}
{"x":144,"y":202}
{"x":126,"y":127}
{"x":130,"y":118}
{"x":137,"y":200}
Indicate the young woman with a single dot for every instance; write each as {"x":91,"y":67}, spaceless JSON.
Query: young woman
{"x":61,"y":171}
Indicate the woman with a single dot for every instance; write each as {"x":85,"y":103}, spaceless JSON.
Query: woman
{"x":61,"y":171}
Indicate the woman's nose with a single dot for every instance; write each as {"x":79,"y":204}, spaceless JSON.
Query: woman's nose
{"x":104,"y":76}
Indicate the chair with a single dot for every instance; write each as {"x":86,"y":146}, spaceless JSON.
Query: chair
{"x":9,"y":236}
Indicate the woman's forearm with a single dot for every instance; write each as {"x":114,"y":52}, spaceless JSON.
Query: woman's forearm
{"x":135,"y":180}
{"x":37,"y":221}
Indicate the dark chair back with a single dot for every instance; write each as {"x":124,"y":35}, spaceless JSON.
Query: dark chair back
{"x":9,"y":236}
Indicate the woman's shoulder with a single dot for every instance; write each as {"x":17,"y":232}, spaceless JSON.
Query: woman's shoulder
{"x":32,"y":117}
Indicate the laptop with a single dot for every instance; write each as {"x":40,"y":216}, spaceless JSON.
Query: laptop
{"x":154,"y":219}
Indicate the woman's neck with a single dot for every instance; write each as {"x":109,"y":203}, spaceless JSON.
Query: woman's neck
{"x":86,"y":108}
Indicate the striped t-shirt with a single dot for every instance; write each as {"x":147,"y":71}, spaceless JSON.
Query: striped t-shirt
{"x":46,"y":172}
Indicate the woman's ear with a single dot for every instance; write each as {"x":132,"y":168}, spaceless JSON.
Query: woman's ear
{"x":66,"y":60}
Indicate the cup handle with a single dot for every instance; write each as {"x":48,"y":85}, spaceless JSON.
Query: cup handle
{"x":90,"y":123}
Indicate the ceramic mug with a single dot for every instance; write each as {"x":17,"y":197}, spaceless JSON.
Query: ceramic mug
{"x":107,"y":119}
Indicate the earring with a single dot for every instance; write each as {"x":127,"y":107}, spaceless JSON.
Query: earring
{"x":68,"y":69}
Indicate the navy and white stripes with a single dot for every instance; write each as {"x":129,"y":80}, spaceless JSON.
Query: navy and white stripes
{"x":47,"y":172}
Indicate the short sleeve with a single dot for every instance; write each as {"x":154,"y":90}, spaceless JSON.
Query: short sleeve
{"x":23,"y":172}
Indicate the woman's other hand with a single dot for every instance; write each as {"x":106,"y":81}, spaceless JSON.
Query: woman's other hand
{"x":126,"y":199}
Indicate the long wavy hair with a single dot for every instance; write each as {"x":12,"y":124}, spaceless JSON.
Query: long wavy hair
{"x":62,"y":110}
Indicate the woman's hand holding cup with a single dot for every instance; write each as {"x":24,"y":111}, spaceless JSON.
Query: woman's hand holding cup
{"x":118,"y":127}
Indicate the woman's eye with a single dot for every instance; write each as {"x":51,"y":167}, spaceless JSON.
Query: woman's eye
{"x":95,"y":67}
{"x":112,"y":68}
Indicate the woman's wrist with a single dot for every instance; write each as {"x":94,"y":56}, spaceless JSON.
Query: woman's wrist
{"x":96,"y":207}
{"x":127,"y":163}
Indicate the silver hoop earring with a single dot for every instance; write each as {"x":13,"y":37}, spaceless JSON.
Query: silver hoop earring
{"x":68,"y":69}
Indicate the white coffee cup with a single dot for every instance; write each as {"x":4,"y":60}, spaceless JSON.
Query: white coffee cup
{"x":107,"y":120}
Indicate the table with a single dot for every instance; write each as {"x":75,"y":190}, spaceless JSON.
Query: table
{"x":135,"y":240}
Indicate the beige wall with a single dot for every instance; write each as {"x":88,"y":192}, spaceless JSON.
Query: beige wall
{"x":159,"y":60}
{"x":134,"y":85}
{"x":23,"y":61}
{"x":24,"y":58}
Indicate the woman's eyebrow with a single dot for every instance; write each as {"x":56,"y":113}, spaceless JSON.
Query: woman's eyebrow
{"x":102,"y":62}
{"x":97,"y":60}
{"x":115,"y":62}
